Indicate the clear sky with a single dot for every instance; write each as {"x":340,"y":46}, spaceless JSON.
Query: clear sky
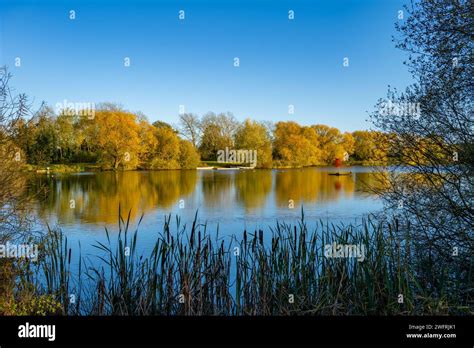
{"x":190,"y":62}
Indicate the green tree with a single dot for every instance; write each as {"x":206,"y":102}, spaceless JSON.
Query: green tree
{"x":43,"y":149}
{"x":67,"y":141}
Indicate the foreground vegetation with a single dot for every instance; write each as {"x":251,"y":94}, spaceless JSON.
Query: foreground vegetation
{"x":279,"y":272}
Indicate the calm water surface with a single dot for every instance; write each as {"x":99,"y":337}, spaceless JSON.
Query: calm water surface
{"x":232,"y":200}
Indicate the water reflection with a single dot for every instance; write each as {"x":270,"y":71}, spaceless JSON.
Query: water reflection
{"x":216,"y":188}
{"x":304,"y":186}
{"x":95,"y":197}
{"x":252,"y":188}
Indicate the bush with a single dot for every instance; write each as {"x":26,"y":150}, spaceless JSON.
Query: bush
{"x":158,"y":163}
{"x":30,"y":304}
{"x":188,"y":157}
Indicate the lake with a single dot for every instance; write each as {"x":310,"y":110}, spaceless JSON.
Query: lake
{"x":83,"y":204}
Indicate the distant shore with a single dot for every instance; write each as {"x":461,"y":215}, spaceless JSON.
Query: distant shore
{"x":210,"y":165}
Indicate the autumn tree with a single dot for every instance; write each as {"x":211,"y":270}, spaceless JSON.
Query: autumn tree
{"x":166,"y":155}
{"x":370,"y":147}
{"x":23,"y":136}
{"x":117,"y":138}
{"x":14,"y":108}
{"x":364,"y":145}
{"x":217,"y":133}
{"x":253,"y":136}
{"x":333,"y":143}
{"x":148,"y":142}
{"x":295,"y":145}
{"x":347,"y":145}
{"x":188,"y":155}
{"x":162,"y":124}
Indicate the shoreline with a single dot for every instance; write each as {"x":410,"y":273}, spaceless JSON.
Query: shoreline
{"x":91,"y":167}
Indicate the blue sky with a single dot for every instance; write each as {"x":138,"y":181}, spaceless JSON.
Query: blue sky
{"x":190,"y":62}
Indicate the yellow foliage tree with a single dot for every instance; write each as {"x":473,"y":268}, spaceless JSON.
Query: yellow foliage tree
{"x":296,"y":145}
{"x":117,"y":137}
{"x":188,"y":156}
{"x":253,"y":136}
{"x":370,"y":146}
{"x":148,"y":143}
{"x":167,"y":151}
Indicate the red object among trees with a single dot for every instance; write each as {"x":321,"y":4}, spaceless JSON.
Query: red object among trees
{"x":337,"y":162}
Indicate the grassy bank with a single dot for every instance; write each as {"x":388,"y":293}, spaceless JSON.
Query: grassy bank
{"x":62,"y":168}
{"x":88,"y":167}
{"x":282,"y":271}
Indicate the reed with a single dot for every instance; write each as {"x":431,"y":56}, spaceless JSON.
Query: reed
{"x":282,"y":271}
